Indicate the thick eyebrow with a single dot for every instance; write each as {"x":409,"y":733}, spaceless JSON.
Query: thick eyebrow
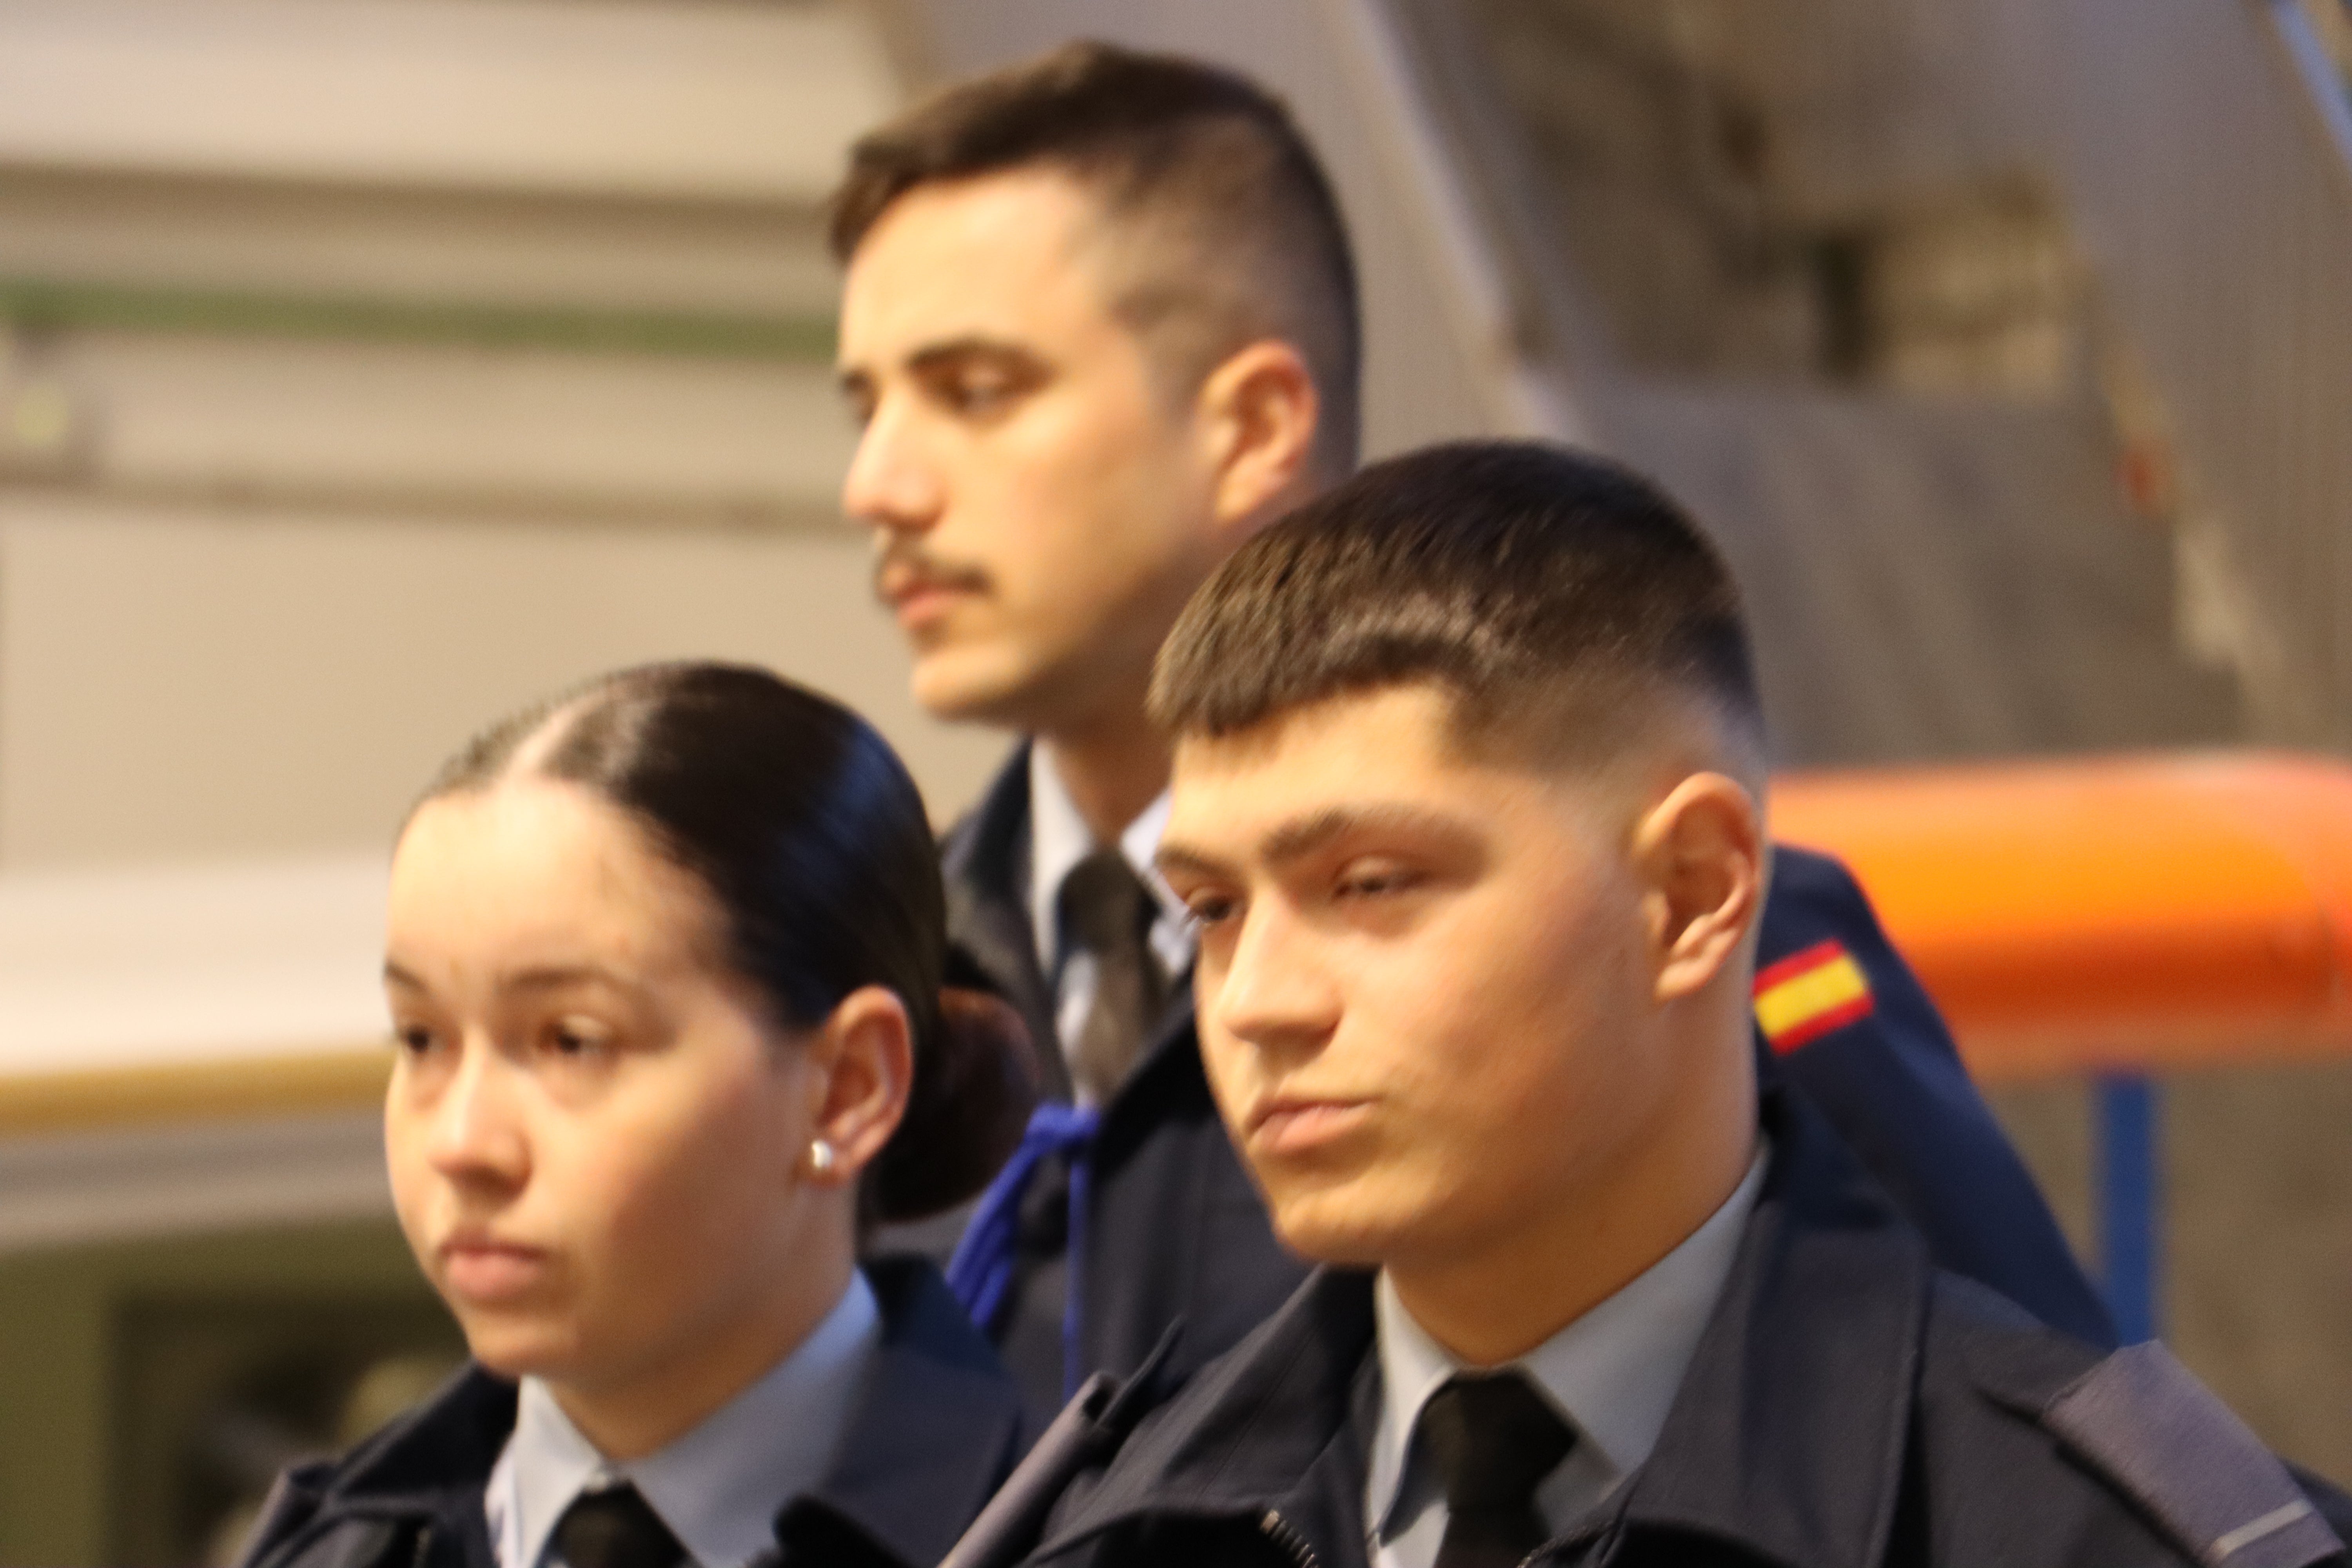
{"x":557,"y":976}
{"x":933,"y":356}
{"x":1173,"y":860}
{"x":1302,"y":836}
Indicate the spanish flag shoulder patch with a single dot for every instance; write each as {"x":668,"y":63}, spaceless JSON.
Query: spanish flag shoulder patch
{"x":1808,"y":993}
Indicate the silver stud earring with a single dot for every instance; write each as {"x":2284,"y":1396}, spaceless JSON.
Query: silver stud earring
{"x":820,"y":1156}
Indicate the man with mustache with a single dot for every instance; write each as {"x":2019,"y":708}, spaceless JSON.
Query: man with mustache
{"x":1099,"y":327}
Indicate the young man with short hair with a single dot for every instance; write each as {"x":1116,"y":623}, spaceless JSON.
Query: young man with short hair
{"x":1469,"y":808}
{"x":1099,"y":326}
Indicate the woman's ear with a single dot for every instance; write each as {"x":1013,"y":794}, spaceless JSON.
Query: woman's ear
{"x":1701,"y":855}
{"x":1259,"y":410}
{"x":864,"y":1056}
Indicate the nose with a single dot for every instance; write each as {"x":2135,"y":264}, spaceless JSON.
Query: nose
{"x":476,"y":1135}
{"x":891,"y":484}
{"x":1274,"y":992}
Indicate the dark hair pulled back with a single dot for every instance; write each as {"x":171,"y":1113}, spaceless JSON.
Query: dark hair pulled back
{"x":814,"y":843}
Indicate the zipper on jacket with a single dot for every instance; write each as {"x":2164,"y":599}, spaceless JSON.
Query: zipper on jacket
{"x":1284,"y":1534}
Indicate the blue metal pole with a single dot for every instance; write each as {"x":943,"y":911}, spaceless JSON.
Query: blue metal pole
{"x":2130,"y":1246}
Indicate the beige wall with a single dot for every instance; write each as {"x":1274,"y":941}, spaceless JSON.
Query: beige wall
{"x":432,"y":357}
{"x":191,"y":685}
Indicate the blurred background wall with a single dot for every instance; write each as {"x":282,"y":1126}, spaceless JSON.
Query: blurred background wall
{"x":367,"y":366}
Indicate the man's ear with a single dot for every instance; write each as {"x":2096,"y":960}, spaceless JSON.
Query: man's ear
{"x":865,"y":1058}
{"x":1259,"y":412}
{"x":1701,"y":853}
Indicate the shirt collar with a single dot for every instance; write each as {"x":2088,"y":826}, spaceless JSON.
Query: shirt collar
{"x":720,"y":1486}
{"x":1059,"y":838}
{"x":1612,"y":1372}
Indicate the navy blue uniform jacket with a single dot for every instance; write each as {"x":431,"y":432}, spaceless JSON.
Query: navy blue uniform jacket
{"x":1176,"y":1230}
{"x":1849,"y":1405}
{"x":935,"y":1429}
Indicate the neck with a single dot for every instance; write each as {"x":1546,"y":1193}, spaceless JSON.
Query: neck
{"x":1113,"y":769}
{"x":630,"y":1414}
{"x":1504,"y":1294}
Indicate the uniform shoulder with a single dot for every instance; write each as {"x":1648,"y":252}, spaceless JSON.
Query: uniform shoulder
{"x":393,"y":1489}
{"x":2334,"y":1503}
{"x":1814,"y":872}
{"x":2147,"y":1431}
{"x":293,"y":1502}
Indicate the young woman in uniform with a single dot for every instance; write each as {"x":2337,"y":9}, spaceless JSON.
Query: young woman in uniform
{"x":663,"y":959}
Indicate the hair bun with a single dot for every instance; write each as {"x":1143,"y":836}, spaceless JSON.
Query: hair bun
{"x":973,"y":1091}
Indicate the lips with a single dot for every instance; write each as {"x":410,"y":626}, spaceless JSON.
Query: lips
{"x":920,"y":592}
{"x":1291,"y":1125}
{"x":485,"y":1270}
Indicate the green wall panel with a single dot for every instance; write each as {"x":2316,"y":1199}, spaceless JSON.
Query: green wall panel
{"x":142,"y":1384}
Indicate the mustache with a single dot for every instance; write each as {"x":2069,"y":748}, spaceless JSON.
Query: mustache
{"x":902,"y":568}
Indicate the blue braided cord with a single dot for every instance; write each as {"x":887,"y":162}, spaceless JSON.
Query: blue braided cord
{"x":980,"y":1272}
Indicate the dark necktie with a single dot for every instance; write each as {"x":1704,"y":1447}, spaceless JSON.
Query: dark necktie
{"x":1491,"y":1440}
{"x":1107,"y":913}
{"x":616,"y":1529}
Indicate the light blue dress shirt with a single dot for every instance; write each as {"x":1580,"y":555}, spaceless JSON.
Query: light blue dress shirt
{"x":1612,"y":1374}
{"x":1058,"y":839}
{"x":717,"y":1487}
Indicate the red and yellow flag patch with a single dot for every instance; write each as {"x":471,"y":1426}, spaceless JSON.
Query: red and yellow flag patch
{"x":1808,"y":993}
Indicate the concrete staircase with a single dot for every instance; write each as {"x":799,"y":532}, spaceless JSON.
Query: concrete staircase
{"x":1931,"y":578}
{"x":1811,"y":264}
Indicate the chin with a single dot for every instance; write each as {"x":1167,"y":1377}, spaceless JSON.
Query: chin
{"x":1337,"y":1229}
{"x":515,"y":1346}
{"x":949,"y":687}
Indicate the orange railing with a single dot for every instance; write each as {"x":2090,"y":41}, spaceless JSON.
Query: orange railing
{"x":2136,"y":913}
{"x":2110,"y":917}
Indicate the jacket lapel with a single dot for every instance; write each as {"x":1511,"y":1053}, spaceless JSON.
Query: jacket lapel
{"x":1270,"y":1427}
{"x":1789,"y":1431}
{"x":936,"y":1427}
{"x":985,"y":861}
{"x":427,"y":1467}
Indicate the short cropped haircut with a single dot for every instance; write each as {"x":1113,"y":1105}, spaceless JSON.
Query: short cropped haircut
{"x":1231,"y":231}
{"x":1560,"y":600}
